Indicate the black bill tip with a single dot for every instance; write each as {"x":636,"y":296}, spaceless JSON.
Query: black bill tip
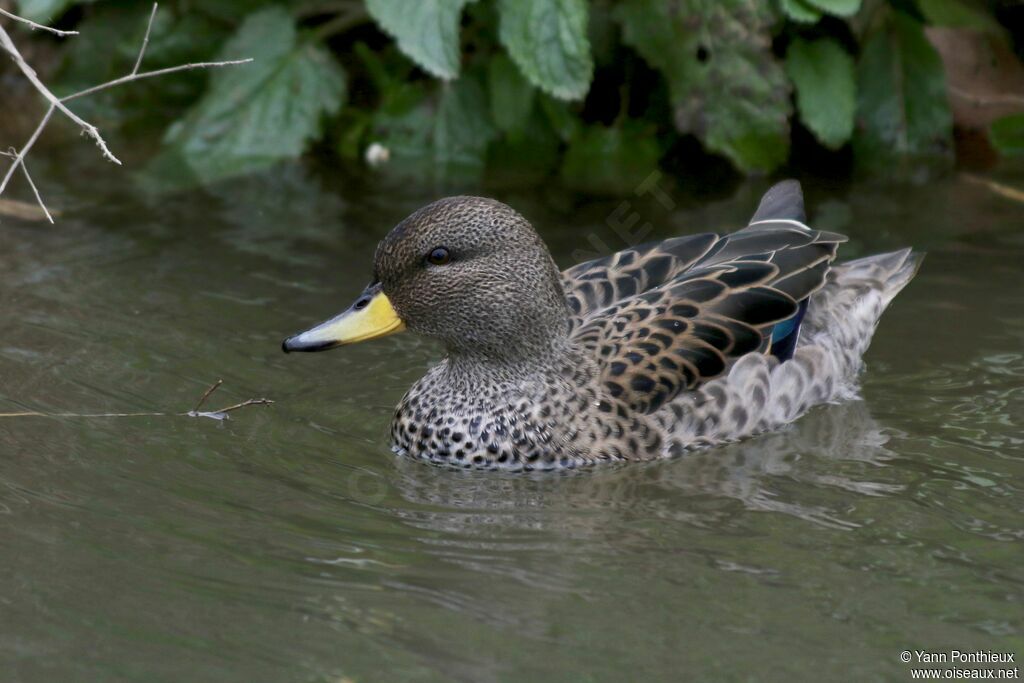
{"x":296,"y":343}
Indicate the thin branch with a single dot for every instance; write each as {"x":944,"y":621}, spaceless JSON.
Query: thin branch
{"x":33,"y":25}
{"x":145,"y":41}
{"x":207,"y":394}
{"x":32,"y":413}
{"x":24,"y":150}
{"x":30,"y":74}
{"x":221,"y":414}
{"x":58,"y":103}
{"x":150,"y":74}
{"x":243,"y":404}
{"x":12,"y":153}
{"x":35,"y":191}
{"x":104,"y":86}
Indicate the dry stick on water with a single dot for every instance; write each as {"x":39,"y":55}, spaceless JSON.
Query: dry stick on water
{"x":220,"y":414}
{"x":58,"y":103}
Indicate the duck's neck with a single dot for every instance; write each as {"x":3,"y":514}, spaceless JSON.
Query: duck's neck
{"x":515,"y":362}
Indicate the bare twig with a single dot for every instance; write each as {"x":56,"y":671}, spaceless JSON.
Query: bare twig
{"x":221,"y":414}
{"x":243,"y":404}
{"x":24,"y":150}
{"x":206,"y":394}
{"x":33,"y":25}
{"x":58,"y":103}
{"x":150,"y":74}
{"x":35,"y":191}
{"x":32,"y":413}
{"x":28,"y":177}
{"x":145,"y":41}
{"x":104,"y":86}
{"x":30,"y":74}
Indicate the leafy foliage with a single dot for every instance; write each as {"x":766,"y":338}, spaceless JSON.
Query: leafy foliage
{"x":511,"y":96}
{"x":822,"y":73}
{"x":547,"y":39}
{"x":902,"y":108}
{"x":426,"y":30}
{"x":959,"y":13}
{"x":840,"y":8}
{"x":1008,"y":134}
{"x":726,"y":86}
{"x":800,"y":11}
{"x":598,"y":91}
{"x":615,"y":159}
{"x":441,"y":134}
{"x":264,"y":111}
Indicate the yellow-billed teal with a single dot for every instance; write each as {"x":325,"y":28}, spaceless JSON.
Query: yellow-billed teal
{"x":643,"y":354}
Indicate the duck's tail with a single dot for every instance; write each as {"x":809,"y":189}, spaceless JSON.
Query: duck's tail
{"x":761,"y":392}
{"x":842,"y":315}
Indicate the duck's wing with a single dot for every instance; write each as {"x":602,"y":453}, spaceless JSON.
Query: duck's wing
{"x":684,"y":316}
{"x":593,"y":286}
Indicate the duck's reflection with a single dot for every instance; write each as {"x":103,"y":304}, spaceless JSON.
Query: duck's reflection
{"x":836,"y":447}
{"x":517,"y":554}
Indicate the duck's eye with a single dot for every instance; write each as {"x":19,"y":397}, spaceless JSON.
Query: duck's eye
{"x":439,"y":256}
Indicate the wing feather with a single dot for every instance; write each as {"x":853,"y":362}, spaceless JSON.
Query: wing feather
{"x":666,"y":317}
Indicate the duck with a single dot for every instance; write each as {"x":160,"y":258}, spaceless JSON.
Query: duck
{"x":643,"y":354}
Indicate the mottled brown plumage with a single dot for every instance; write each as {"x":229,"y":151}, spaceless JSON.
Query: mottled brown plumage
{"x":642,"y":354}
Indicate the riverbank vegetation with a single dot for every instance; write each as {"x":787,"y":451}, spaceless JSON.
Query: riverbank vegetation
{"x":599,"y":93}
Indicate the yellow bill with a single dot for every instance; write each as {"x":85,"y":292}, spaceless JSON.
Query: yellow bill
{"x":371,"y":316}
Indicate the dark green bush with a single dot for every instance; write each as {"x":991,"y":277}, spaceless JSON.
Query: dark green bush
{"x":600,"y":92}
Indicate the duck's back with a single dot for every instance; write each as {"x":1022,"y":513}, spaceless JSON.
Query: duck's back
{"x":668,"y":317}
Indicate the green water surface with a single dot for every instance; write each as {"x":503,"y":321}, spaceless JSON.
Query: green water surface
{"x":288,"y":544}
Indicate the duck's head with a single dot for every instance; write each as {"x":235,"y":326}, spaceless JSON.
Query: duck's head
{"x":468,"y":271}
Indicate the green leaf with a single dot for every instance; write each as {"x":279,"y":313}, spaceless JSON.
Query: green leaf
{"x":726,"y":86}
{"x":426,"y":30}
{"x":231,"y":12}
{"x":526,"y":156}
{"x":462,"y":127}
{"x":800,"y":11}
{"x":511,"y":95}
{"x":258,"y":113}
{"x":823,"y":75}
{"x":959,"y":14}
{"x":445,"y":134}
{"x":561,"y":119}
{"x":610,"y":160}
{"x":547,"y":39}
{"x":902,"y":110}
{"x":1007,"y":134}
{"x":840,"y":8}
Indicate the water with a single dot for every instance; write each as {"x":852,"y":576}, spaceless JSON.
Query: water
{"x":288,"y":544}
